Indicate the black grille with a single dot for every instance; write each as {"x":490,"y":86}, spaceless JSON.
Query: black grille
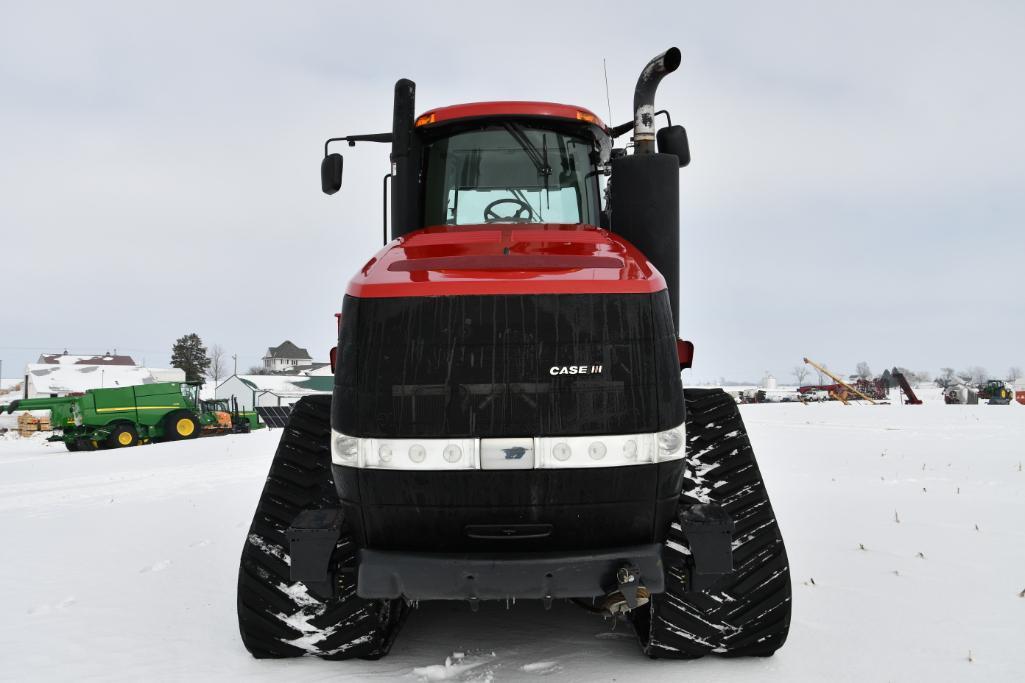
{"x":481,"y":366}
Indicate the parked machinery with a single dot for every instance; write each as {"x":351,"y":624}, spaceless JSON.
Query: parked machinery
{"x":508,"y":418}
{"x":127,"y":416}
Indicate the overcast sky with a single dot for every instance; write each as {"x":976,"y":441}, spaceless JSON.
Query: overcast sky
{"x":856,"y":189}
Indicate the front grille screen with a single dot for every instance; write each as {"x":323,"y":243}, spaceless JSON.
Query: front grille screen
{"x":483,"y":366}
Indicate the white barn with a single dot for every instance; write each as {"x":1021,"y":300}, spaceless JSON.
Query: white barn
{"x":47,"y":380}
{"x":272,"y":390}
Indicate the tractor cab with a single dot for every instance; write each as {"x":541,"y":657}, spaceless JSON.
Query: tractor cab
{"x":484,"y":164}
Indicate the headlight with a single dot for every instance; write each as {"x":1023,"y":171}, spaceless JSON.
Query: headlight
{"x":669,"y":443}
{"x":607,"y":450}
{"x":403,"y":454}
{"x":344,"y":449}
{"x":538,"y":452}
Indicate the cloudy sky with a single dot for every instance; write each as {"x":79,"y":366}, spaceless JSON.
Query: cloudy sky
{"x":856,"y":191}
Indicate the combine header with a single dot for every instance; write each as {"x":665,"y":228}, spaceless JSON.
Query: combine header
{"x":508,"y":419}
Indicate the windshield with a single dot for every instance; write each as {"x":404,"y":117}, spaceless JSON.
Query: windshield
{"x":510,"y":173}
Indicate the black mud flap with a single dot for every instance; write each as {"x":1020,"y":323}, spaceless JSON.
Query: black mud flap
{"x":709,"y":530}
{"x":312,"y":538}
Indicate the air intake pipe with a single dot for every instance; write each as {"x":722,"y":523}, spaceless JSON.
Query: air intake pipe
{"x":644,"y":98}
{"x":405,"y":190}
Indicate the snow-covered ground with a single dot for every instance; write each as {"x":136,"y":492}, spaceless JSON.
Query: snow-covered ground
{"x":904,"y":526}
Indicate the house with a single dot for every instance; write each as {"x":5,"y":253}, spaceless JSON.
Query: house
{"x":272,"y":390}
{"x":286,"y":357}
{"x":50,"y":380}
{"x":90,"y":359}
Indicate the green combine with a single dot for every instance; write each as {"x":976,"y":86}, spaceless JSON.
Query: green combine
{"x":127,"y":416}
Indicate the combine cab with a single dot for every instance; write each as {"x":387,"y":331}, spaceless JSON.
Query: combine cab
{"x":508,"y":419}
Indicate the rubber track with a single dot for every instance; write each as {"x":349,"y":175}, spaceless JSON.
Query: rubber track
{"x":746,"y":613}
{"x":279,"y":618}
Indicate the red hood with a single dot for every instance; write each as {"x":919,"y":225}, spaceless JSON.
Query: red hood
{"x":506,"y":258}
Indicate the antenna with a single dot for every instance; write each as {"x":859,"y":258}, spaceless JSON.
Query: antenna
{"x":608,"y":101}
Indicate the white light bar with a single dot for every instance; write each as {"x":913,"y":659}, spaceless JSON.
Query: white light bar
{"x":548,"y":452}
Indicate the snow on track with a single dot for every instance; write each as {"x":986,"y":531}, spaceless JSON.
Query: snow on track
{"x":121,"y":565}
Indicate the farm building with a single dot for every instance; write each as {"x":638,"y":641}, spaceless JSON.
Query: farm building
{"x":87,"y":359}
{"x":272,"y":390}
{"x":286,"y":357}
{"x":61,"y":379}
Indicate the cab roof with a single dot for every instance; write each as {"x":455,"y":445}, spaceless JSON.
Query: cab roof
{"x":506,"y":258}
{"x":478,"y":110}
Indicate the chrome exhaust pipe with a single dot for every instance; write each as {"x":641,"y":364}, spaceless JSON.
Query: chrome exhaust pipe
{"x":644,"y":98}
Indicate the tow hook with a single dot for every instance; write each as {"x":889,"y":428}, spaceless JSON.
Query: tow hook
{"x":628,"y":594}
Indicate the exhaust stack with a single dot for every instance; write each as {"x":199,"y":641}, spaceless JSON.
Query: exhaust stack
{"x":645,"y":185}
{"x":644,"y":98}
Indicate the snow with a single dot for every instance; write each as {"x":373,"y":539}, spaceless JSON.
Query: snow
{"x":55,"y":378}
{"x":903,"y":525}
{"x":282,"y":385}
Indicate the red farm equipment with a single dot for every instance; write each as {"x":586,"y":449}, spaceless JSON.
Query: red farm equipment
{"x":508,"y":418}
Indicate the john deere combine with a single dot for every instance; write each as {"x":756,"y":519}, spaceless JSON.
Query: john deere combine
{"x":127,"y":416}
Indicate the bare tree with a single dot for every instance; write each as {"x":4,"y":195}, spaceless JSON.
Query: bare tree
{"x":946,"y":377}
{"x":977,"y":374}
{"x":1014,"y":374}
{"x":800,"y":372}
{"x":259,"y":370}
{"x":821,"y":375}
{"x":863,"y":371}
{"x":218,"y":363}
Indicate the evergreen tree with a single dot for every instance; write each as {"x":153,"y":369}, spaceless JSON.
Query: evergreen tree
{"x":189,"y":354}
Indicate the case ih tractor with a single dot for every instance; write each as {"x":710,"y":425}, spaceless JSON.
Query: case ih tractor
{"x":508,"y":418}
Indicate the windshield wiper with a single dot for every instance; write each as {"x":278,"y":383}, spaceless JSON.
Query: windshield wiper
{"x":540,"y":161}
{"x":518,"y":193}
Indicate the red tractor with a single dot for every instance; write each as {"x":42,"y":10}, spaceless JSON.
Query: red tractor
{"x":508,"y":418}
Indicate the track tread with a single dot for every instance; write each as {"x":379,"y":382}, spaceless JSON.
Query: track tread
{"x":746,"y":613}
{"x":279,"y":618}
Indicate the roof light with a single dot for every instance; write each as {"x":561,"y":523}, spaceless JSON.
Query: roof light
{"x":424,"y":120}
{"x":587,"y":116}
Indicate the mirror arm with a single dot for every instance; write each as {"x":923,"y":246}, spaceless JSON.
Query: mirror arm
{"x":669,"y":121}
{"x":616,"y":131}
{"x":353,"y":139}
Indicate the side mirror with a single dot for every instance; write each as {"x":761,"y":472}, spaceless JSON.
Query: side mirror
{"x":673,"y":140}
{"x":331,"y":173}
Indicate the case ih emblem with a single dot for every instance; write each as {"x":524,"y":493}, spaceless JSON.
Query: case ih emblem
{"x":574,"y":370}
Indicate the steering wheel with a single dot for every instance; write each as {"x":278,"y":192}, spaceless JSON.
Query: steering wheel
{"x":520,"y":215}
